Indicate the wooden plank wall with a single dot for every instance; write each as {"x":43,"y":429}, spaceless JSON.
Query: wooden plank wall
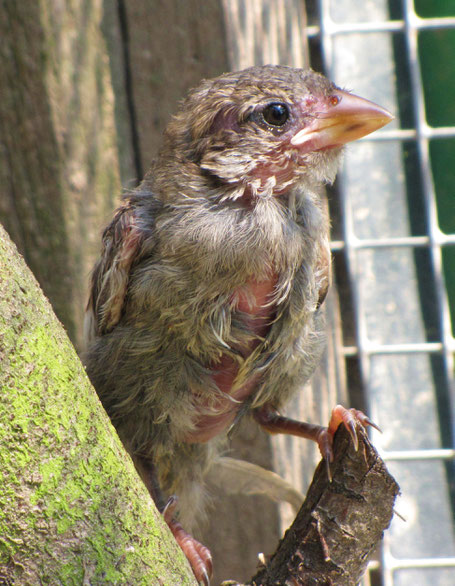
{"x":58,"y":147}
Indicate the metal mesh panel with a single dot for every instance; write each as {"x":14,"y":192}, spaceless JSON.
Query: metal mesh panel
{"x":400,"y":350}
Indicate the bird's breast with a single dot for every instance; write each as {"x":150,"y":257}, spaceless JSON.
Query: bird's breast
{"x":254,"y":302}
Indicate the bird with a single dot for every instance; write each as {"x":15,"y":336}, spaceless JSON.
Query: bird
{"x":205,"y":303}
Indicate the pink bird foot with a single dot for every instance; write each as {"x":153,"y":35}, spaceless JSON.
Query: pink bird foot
{"x":197,"y":554}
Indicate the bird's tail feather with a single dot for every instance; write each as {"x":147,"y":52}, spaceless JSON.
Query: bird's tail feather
{"x":240,"y":477}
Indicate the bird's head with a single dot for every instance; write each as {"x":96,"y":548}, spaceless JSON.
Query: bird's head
{"x":257,"y":132}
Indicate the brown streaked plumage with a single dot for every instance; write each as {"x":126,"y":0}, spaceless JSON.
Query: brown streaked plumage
{"x":204,"y":306}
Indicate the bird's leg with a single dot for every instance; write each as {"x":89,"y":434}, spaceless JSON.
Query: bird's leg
{"x":197,"y":554}
{"x":273,"y":422}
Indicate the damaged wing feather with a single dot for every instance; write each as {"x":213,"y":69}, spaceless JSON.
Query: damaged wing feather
{"x":122,"y":241}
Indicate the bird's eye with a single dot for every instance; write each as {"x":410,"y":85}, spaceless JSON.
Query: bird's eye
{"x":276,"y":114}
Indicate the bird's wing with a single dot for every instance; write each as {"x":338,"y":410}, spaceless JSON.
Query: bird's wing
{"x":324,"y":272}
{"x":121,"y":249}
{"x":323,"y":259}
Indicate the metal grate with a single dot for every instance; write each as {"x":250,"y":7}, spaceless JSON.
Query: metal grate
{"x":402,"y":342}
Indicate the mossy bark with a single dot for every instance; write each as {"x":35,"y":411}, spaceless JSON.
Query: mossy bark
{"x":72,"y":509}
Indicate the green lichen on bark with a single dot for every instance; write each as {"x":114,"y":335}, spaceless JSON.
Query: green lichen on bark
{"x":72,"y":509}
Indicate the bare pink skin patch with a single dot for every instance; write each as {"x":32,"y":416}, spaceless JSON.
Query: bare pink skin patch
{"x":252,"y":300}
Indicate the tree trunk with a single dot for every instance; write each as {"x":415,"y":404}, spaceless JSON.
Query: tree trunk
{"x":73,"y":510}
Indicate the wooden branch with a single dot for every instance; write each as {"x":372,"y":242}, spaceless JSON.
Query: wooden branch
{"x":340,"y":523}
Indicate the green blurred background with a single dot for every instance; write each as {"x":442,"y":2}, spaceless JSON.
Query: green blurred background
{"x":437,"y":58}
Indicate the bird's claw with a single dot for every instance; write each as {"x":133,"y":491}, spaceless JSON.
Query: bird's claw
{"x":350,"y":418}
{"x":170,"y":508}
{"x":327,"y":467}
{"x":205,"y":581}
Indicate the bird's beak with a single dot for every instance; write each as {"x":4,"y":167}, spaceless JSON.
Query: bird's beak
{"x":343,"y":118}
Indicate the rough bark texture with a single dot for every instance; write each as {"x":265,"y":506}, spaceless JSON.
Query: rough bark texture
{"x":340,"y":523}
{"x":72,"y":509}
{"x":58,"y":163}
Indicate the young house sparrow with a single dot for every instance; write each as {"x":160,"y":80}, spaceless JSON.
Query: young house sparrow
{"x":204,"y":305}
